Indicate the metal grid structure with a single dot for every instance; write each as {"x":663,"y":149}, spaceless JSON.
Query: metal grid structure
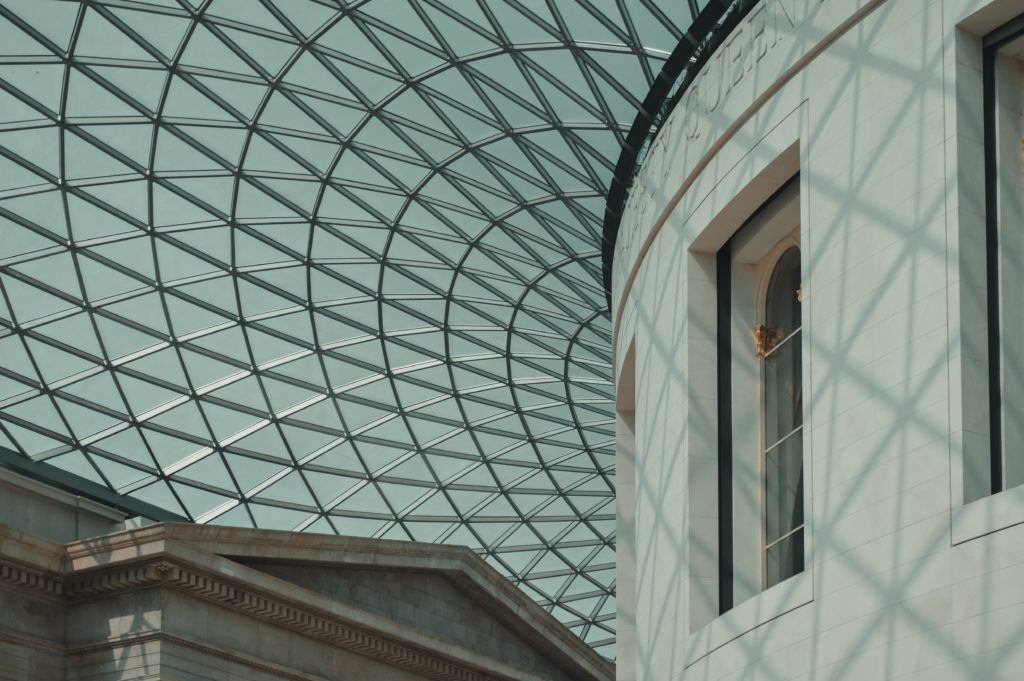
{"x":327,"y":266}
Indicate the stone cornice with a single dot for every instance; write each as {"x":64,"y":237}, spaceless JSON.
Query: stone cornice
{"x":23,"y":578}
{"x":168,"y":573}
{"x":210,"y":564}
{"x":194,"y":543}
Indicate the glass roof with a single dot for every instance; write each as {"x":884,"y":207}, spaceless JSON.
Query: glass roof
{"x":327,"y":266}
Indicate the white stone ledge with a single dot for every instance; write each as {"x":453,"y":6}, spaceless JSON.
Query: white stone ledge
{"x":988,"y":514}
{"x":770,"y":604}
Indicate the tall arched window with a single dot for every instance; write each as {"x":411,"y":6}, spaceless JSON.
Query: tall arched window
{"x":779,"y":345}
{"x":762,"y":536}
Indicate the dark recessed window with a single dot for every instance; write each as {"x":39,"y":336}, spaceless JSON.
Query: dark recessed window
{"x":760,"y":381}
{"x":1003,"y":74}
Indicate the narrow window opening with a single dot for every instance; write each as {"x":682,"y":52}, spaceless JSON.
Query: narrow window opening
{"x":725,"y":521}
{"x":625,"y":515}
{"x":760,"y":406}
{"x":1003,"y":96}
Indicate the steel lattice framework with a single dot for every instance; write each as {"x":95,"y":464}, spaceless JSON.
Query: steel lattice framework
{"x":326,"y":266}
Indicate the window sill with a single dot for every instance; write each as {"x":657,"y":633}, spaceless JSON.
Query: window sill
{"x":749,"y":615}
{"x":988,"y":514}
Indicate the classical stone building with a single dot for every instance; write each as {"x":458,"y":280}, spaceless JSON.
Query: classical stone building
{"x":182,"y":601}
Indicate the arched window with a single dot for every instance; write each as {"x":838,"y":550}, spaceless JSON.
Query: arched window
{"x":762,"y":536}
{"x":780,"y":347}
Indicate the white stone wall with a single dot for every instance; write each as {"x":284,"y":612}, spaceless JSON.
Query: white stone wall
{"x":877,"y":102}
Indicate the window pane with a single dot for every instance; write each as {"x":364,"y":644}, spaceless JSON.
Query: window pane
{"x":785,"y":559}
{"x":782,"y":305}
{"x":782,"y":395}
{"x":1009,"y":180}
{"x":784,"y":488}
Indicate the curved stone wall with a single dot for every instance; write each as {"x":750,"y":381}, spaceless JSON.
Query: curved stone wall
{"x":877,"y":105}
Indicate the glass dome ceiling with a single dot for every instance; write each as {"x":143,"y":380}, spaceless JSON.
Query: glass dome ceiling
{"x":326,"y":266}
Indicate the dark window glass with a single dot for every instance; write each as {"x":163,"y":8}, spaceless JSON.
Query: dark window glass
{"x":785,"y":558}
{"x":1004,"y":139}
{"x":784,"y":486}
{"x":783,"y":421}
